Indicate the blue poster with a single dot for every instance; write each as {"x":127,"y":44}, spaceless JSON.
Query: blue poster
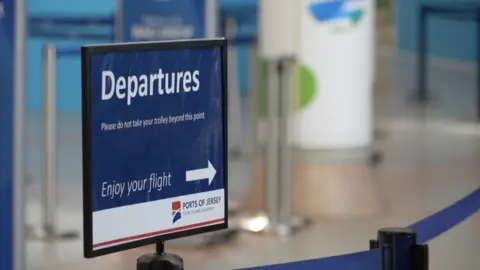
{"x":152,"y":20}
{"x":157,"y":145}
{"x":6,"y":131}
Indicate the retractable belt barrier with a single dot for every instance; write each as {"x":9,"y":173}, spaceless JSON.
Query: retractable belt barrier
{"x":67,"y":28}
{"x":72,"y":27}
{"x":381,"y":258}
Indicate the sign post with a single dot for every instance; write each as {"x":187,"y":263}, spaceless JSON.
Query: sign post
{"x":154,"y":145}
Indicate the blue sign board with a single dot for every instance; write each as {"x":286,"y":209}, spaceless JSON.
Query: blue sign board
{"x":7,"y":20}
{"x":151,"y":20}
{"x":154,"y":131}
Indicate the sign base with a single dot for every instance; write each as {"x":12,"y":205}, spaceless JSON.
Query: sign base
{"x":160,"y":260}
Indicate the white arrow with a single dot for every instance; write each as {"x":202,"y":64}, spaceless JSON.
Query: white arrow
{"x":201,"y":174}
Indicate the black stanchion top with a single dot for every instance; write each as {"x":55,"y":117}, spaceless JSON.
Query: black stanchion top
{"x":387,"y":235}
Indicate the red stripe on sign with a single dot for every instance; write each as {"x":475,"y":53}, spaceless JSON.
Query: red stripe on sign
{"x":146,"y":235}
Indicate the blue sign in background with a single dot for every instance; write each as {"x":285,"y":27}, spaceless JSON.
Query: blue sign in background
{"x":135,"y":153}
{"x":162,"y":20}
{"x":7,"y":20}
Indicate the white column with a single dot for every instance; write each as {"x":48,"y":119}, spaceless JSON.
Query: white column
{"x":279,"y":38}
{"x":279,"y":24}
{"x":335,"y":74}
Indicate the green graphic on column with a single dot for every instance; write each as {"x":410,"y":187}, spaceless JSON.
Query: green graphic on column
{"x":305,"y":88}
{"x":356,"y":16}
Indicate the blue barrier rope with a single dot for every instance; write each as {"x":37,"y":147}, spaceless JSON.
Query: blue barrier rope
{"x":366,"y":260}
{"x":68,"y":52}
{"x":442,"y":221}
{"x":71,"y":36}
{"x":241,"y":40}
{"x":72,"y":20}
{"x":102,"y":28}
{"x":72,"y":28}
{"x":426,"y":229}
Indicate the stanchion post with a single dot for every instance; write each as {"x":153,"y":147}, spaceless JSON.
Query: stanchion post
{"x":285,"y":160}
{"x":49,"y":188}
{"x":477,"y":20}
{"x":253,"y":96}
{"x":422,"y":91}
{"x":288,"y":222}
{"x":50,"y":130}
{"x":271,"y":168}
{"x":234,"y":111}
{"x":400,"y":250}
{"x":19,"y":149}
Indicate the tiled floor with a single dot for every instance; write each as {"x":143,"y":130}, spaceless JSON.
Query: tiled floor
{"x":432,"y":158}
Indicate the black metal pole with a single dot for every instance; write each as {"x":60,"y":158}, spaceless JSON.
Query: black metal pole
{"x":160,"y":248}
{"x":422,"y":93}
{"x":477,"y":17}
{"x":160,"y":260}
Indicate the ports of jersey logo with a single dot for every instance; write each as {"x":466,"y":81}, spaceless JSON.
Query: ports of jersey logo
{"x":176,"y":211}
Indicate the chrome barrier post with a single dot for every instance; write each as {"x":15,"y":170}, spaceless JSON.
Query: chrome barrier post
{"x":268,"y":220}
{"x":254,"y":222}
{"x":50,"y":130}
{"x":287,"y":222}
{"x":285,"y":153}
{"x":48,"y":229}
{"x":271,"y":168}
{"x":253,"y":97}
{"x":400,"y":250}
{"x":421,"y":93}
{"x":19,"y":127}
{"x":278,"y":218}
{"x":234,"y":112}
{"x":477,"y":20}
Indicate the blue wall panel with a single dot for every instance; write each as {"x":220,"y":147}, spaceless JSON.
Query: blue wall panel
{"x":447,"y":37}
{"x":89,"y":7}
{"x":68,"y":74}
{"x":68,"y":77}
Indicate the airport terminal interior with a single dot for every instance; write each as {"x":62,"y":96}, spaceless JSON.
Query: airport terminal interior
{"x":422,"y":156}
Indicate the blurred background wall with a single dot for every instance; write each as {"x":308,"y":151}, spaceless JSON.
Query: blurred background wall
{"x":69,"y":83}
{"x":448,"y":38}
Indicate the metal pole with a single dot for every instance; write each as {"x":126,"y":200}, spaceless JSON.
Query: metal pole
{"x":19,"y":249}
{"x":50,"y":192}
{"x":271,"y":168}
{"x":211,"y":18}
{"x":234,"y":112}
{"x":50,"y":132}
{"x":422,"y":91}
{"x":118,"y":23}
{"x":253,"y":97}
{"x":285,"y":157}
{"x":477,"y":16}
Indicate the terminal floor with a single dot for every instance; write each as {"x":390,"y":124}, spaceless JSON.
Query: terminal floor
{"x":431,"y":159}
